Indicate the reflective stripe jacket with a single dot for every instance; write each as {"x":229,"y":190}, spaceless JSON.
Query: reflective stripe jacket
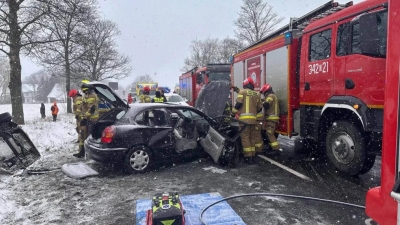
{"x":251,"y":104}
{"x":144,"y":99}
{"x":159,"y":100}
{"x":272,"y":113}
{"x":261,"y":115}
{"x":77,"y":105}
{"x":90,"y":102}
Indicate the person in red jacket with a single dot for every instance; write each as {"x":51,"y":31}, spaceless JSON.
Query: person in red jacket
{"x":54,"y":111}
{"x":130,"y":98}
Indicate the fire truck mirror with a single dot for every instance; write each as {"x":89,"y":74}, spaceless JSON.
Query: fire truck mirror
{"x":369,"y":34}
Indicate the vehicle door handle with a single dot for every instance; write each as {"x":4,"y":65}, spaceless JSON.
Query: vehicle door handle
{"x":349,"y":83}
{"x":396,"y":191}
{"x":307,"y":86}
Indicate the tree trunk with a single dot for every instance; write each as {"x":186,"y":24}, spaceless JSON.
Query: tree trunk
{"x":93,"y":76}
{"x":15,"y":84}
{"x":68,"y":81}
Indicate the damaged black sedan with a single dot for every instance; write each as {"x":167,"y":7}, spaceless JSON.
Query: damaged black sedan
{"x":147,"y":133}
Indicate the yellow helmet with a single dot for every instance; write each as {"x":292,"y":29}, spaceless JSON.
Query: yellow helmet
{"x":84,"y":82}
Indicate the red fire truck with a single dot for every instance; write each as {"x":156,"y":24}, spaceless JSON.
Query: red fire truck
{"x":329,"y":77}
{"x":381,"y":203}
{"x":191,"y":82}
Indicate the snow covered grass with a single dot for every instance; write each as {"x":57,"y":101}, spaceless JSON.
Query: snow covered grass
{"x":32,"y":111}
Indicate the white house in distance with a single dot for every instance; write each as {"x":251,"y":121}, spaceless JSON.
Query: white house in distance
{"x":29,"y":93}
{"x":57,"y":94}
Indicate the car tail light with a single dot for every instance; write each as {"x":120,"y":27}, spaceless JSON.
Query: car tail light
{"x":108,"y":134}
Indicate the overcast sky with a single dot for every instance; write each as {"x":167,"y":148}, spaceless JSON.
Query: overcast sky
{"x":157,"y":34}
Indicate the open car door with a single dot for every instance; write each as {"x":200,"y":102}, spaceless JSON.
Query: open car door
{"x":219,"y":141}
{"x":16,"y":149}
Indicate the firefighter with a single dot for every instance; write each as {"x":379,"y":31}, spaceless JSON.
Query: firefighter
{"x":90,"y":113}
{"x":258,"y":139}
{"x":145,"y":98}
{"x":159,"y":98}
{"x":271,"y":108}
{"x":76,"y":107}
{"x":248,"y":103}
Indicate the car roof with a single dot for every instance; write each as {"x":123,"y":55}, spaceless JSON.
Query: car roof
{"x":170,"y":94}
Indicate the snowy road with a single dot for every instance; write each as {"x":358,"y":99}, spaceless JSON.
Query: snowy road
{"x":110,"y":198}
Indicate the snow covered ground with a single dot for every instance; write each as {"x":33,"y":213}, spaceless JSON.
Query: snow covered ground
{"x":110,"y":198}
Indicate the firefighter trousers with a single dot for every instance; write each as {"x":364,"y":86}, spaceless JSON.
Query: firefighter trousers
{"x":270,"y":127}
{"x":84,"y":132}
{"x":258,"y":139}
{"x":78,"y":129}
{"x":247,"y":138}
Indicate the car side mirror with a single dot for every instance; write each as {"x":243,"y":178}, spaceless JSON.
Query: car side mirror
{"x":369,"y":38}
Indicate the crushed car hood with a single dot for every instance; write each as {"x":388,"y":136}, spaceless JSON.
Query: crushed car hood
{"x":213,"y":97}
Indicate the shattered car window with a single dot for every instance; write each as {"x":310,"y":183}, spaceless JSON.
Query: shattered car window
{"x":189,"y":114}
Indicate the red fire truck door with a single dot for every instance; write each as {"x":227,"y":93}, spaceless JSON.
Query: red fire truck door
{"x":318,"y":70}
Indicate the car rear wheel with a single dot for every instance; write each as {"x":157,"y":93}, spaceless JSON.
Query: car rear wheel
{"x":138,"y":160}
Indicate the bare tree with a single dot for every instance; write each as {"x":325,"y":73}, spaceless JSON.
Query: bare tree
{"x":140,"y":79}
{"x":201,"y":53}
{"x":144,"y":79}
{"x":36,"y":80}
{"x":256,"y":20}
{"x":211,"y":50}
{"x":4,"y":77}
{"x":67,"y":23}
{"x":101,"y":59}
{"x":228,"y":47}
{"x":19,"y":25}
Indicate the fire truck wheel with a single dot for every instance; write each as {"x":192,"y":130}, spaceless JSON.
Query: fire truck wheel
{"x":138,"y":160}
{"x":345,"y":147}
{"x":369,"y":163}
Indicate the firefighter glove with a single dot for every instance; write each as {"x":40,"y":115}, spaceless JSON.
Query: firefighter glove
{"x":92,"y":109}
{"x":83,"y":122}
{"x":266,"y":105}
{"x":236,"y":89}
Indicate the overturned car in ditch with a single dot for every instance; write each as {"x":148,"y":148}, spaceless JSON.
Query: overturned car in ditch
{"x":16,"y":149}
{"x":147,"y":133}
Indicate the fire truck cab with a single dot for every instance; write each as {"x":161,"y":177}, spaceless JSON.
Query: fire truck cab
{"x":329,"y":83}
{"x":191,"y":82}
